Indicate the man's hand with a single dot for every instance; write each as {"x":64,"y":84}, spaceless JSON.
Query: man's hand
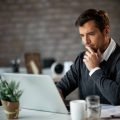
{"x":92,"y":59}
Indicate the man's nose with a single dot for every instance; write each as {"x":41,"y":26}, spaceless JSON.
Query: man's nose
{"x":86,"y":40}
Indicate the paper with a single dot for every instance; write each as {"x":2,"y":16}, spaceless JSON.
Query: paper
{"x":109,"y":111}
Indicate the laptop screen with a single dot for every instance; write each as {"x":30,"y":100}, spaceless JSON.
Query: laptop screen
{"x":39,"y":92}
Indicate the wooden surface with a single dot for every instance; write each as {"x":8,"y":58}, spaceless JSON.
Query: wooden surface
{"x":35,"y":59}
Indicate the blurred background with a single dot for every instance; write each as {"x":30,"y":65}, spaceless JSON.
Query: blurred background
{"x":47,"y":27}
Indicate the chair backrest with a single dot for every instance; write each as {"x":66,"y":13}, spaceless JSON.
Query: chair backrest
{"x":33,"y":63}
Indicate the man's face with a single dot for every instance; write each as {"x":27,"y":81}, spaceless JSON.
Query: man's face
{"x":92,"y":36}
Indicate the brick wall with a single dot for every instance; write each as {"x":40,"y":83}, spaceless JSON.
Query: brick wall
{"x":47,"y":26}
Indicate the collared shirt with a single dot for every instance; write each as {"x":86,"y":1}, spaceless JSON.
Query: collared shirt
{"x":106,"y":54}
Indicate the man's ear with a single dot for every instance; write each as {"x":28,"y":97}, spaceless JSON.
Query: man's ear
{"x":107,"y":30}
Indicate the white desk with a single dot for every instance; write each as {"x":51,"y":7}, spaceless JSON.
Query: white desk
{"x":36,"y":115}
{"x":39,"y":115}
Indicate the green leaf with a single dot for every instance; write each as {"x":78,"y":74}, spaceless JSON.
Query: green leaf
{"x":10,"y":90}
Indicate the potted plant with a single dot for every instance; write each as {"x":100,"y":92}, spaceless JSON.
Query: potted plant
{"x":9,"y":95}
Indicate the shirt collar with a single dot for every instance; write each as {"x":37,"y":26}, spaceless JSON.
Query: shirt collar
{"x":109,"y":50}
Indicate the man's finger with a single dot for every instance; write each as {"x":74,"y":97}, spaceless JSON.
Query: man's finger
{"x":87,"y":53}
{"x":90,"y":49}
{"x":85,"y":57}
{"x":85,"y":61}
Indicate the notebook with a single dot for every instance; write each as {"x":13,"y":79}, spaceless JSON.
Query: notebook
{"x":39,"y":92}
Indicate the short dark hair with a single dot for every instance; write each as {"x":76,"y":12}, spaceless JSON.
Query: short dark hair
{"x":100,"y":17}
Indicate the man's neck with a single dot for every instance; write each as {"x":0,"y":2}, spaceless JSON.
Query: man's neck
{"x":105,"y":46}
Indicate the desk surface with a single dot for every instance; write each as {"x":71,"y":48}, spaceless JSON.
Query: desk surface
{"x":25,"y":114}
{"x":37,"y":115}
{"x":40,"y":115}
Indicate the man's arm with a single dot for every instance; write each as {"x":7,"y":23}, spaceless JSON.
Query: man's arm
{"x":61,"y":94}
{"x":70,"y":81}
{"x":109,"y":88}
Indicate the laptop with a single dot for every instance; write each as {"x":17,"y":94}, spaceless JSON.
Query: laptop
{"x":39,"y":92}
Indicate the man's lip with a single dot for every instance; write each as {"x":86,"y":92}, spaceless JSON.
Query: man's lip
{"x":88,"y":46}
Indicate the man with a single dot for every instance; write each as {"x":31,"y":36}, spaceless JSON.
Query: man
{"x":97,"y":70}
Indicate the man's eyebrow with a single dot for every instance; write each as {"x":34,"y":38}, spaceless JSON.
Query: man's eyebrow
{"x":81,"y":34}
{"x":92,"y":31}
{"x":88,"y":33}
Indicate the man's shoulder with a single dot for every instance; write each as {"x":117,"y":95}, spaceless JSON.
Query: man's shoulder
{"x":117,"y":46}
{"x":81,"y":54}
{"x":115,"y":56}
{"x":117,"y":50}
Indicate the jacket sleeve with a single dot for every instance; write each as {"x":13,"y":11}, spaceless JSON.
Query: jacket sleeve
{"x":110,"y":88}
{"x":70,"y":81}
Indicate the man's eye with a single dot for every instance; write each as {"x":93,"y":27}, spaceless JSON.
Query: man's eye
{"x":91,"y":33}
{"x":81,"y":35}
